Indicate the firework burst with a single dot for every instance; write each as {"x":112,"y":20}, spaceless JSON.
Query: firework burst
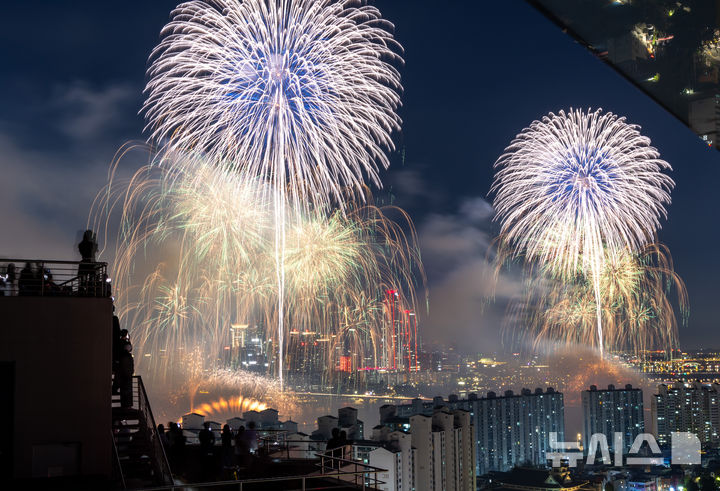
{"x":194,"y":257}
{"x":576,"y":188}
{"x":301,"y":95}
{"x":637,"y":305}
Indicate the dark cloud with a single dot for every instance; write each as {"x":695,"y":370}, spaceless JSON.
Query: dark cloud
{"x":410,"y":188}
{"x":86,"y":113}
{"x":467,"y":298}
{"x":48,"y":190}
{"x":48,"y":203}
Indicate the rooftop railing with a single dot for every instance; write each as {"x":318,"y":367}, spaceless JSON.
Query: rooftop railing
{"x":45,"y":278}
{"x":351,"y":474}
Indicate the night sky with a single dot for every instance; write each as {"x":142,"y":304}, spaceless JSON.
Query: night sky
{"x":476,"y":74}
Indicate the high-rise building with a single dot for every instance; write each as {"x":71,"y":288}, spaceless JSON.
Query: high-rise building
{"x":613,"y":410}
{"x":399,"y":342}
{"x":248,"y":348}
{"x":433,"y":452}
{"x":686,"y":407}
{"x":507,"y":430}
{"x":513,"y":429}
{"x":394,"y":453}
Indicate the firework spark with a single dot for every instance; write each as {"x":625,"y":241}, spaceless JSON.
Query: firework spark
{"x":300,"y":95}
{"x":637,"y":311}
{"x":194,"y":257}
{"x":577,"y":187}
{"x":232,"y":392}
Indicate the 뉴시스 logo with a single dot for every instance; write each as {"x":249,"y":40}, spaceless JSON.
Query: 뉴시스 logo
{"x":684,"y":450}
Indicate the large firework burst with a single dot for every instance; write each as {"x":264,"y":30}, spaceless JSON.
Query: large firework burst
{"x":577,"y":187}
{"x":299,"y":94}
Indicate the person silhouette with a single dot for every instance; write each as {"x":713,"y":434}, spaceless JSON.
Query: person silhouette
{"x":126,"y":369}
{"x":87,"y":270}
{"x":227,"y":438}
{"x":242,"y":448}
{"x":206,"y":437}
{"x":26,"y":283}
{"x":164,"y":440}
{"x":207,"y":442}
{"x":88,"y":246}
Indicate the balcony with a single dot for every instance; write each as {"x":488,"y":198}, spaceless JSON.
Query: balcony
{"x":49,"y":278}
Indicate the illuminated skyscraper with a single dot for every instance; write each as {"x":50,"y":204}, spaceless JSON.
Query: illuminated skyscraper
{"x":613,"y":410}
{"x":400,"y":339}
{"x":686,"y":407}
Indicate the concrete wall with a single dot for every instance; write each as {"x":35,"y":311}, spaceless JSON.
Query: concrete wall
{"x":385,"y":459}
{"x":61,"y":350}
{"x":422,"y":441}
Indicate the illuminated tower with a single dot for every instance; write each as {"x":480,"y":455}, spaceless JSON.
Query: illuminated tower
{"x":390,"y":352}
{"x":400,"y":336}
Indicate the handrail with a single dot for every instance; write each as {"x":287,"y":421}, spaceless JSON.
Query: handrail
{"x":116,"y":462}
{"x":46,"y":277}
{"x":330,"y":454}
{"x":368,"y":474}
{"x":279,"y":447}
{"x":53,"y":261}
{"x":340,"y":462}
{"x":163,"y":467}
{"x":261,"y":480}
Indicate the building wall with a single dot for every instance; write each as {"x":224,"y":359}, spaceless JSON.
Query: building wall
{"x":444,"y":451}
{"x":302,"y":447}
{"x":61,"y":351}
{"x":516,"y":428}
{"x":693,"y":407}
{"x":613,"y":410}
{"x":465,"y":450}
{"x":325,"y":426}
{"x":385,"y":459}
{"x":402,"y":442}
{"x":422,"y":442}
{"x":439,"y":476}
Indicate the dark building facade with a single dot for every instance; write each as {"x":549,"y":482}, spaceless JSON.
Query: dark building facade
{"x":613,"y":410}
{"x":55,"y":371}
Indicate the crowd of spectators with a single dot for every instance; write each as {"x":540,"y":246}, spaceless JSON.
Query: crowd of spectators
{"x":35,"y":278}
{"x":236,"y":450}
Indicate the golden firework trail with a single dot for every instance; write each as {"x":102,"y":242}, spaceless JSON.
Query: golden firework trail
{"x":194,"y":256}
{"x":636,"y":303}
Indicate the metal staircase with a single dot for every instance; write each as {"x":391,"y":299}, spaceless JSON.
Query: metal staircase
{"x":140,"y":455}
